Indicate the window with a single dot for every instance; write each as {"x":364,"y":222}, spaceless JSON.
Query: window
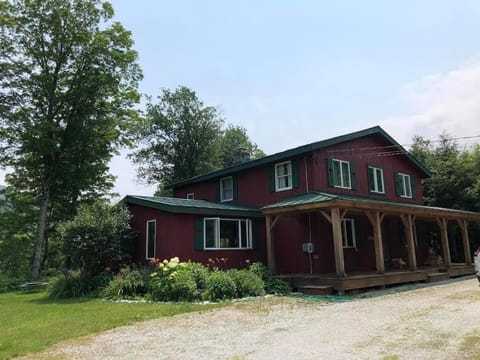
{"x":375,"y":180}
{"x":191,"y":196}
{"x":348,"y":233}
{"x":283,"y":176}
{"x":404,"y":185}
{"x":150,"y":239}
{"x":227,"y":233}
{"x":226,"y":189}
{"x":341,"y":174}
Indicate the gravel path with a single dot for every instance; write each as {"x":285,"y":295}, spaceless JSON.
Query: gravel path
{"x":434,"y":322}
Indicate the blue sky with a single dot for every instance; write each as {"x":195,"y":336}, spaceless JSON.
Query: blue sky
{"x":293,"y":72}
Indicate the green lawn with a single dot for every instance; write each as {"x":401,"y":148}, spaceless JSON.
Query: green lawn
{"x":30,"y":322}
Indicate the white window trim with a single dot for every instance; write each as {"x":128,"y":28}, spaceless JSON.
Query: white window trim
{"x":154,"y":239}
{"x":404,"y":185}
{"x":191,"y":196}
{"x":217,"y":241}
{"x":221,"y":189}
{"x":375,"y":182}
{"x":350,"y":221}
{"x":289,"y":175}
{"x":341,"y":174}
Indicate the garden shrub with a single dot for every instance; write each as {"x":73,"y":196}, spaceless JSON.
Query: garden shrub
{"x":76,"y":284}
{"x":175,"y":281}
{"x":247,"y":283}
{"x":9,"y":283}
{"x":220,"y":286}
{"x":129,"y":282}
{"x":273,"y":285}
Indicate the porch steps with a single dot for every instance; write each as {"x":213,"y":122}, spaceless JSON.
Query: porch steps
{"x":438,"y":276}
{"x":316,"y":290}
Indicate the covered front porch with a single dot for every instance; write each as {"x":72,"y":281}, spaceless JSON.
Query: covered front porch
{"x":410,"y":257}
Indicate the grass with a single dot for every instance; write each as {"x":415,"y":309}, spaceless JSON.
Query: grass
{"x":30,"y":322}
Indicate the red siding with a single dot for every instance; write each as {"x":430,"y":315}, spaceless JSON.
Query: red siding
{"x":175,"y":237}
{"x":253,"y":182}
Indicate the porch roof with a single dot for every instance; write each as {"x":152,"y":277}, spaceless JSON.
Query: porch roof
{"x":320,"y":200}
{"x":188,"y":206}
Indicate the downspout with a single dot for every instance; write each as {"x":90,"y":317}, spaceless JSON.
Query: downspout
{"x":309,"y":216}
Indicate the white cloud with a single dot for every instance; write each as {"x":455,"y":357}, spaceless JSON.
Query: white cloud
{"x":447,"y":101}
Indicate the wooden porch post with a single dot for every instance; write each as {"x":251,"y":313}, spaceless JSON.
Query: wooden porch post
{"x":466,"y":242}
{"x":408,"y":221}
{"x":270,"y":247}
{"x":442,"y":224}
{"x":337,"y":241}
{"x":376,"y":220}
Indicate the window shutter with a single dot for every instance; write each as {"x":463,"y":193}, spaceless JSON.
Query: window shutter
{"x":295,"y":176}
{"x":398,"y":183}
{"x":235,"y":187}
{"x":199,"y":233}
{"x":371,"y":180}
{"x":412,"y":183}
{"x":256,"y":234}
{"x":353,"y":177}
{"x":217,"y":191}
{"x":271,"y":178}
{"x":330,"y":172}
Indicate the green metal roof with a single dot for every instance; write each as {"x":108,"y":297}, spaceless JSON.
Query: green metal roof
{"x":301,"y":150}
{"x":187,"y":206}
{"x":319,"y":197}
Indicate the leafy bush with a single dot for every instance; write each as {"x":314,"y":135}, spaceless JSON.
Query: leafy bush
{"x":273,"y":285}
{"x":220,"y":286}
{"x":175,"y":281}
{"x":247,"y":283}
{"x":76,"y":284}
{"x":129,"y":282}
{"x":8,"y":283}
{"x":100,"y":236}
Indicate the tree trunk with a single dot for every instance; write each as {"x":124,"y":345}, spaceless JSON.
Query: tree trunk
{"x":40,"y":237}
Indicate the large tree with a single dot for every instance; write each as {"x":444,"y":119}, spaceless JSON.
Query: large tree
{"x":235,"y":139}
{"x":68,"y":87}
{"x":179,"y":140}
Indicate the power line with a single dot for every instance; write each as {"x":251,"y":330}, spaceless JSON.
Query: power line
{"x":405,"y":145}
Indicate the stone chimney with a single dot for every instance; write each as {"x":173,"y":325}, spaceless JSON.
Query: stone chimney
{"x":240,"y":155}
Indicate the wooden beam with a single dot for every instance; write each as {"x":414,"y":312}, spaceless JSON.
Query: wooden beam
{"x":443,"y":225}
{"x":466,"y":242}
{"x":376,"y":219}
{"x":328,"y":217}
{"x":338,"y":242}
{"x":270,"y":247}
{"x":408,"y":220}
{"x":275,"y":218}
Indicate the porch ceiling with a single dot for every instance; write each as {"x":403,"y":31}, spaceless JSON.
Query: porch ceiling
{"x":319,"y":200}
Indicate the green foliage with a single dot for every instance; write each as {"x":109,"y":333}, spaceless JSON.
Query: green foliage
{"x":273,"y":285}
{"x":67,"y":95}
{"x":455,"y":173}
{"x":247,"y":283}
{"x":220,"y":286}
{"x":233,"y":139}
{"x":75,"y":285}
{"x":183,"y":138}
{"x":129,"y":282}
{"x":99,"y":237}
{"x":175,"y":281}
{"x":8,"y":283}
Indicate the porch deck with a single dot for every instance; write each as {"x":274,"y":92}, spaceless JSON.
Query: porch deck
{"x":372,"y":279}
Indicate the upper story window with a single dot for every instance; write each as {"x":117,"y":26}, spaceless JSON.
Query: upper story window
{"x":283,"y":176}
{"x":341,"y":174}
{"x":403,"y":183}
{"x":191,"y":196}
{"x":375,"y":180}
{"x":227,"y":233}
{"x":348,"y":233}
{"x":226,"y":189}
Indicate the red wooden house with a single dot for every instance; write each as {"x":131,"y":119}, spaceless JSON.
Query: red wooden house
{"x":344,"y":212}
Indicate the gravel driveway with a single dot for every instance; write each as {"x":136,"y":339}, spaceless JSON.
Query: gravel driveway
{"x":434,"y":322}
